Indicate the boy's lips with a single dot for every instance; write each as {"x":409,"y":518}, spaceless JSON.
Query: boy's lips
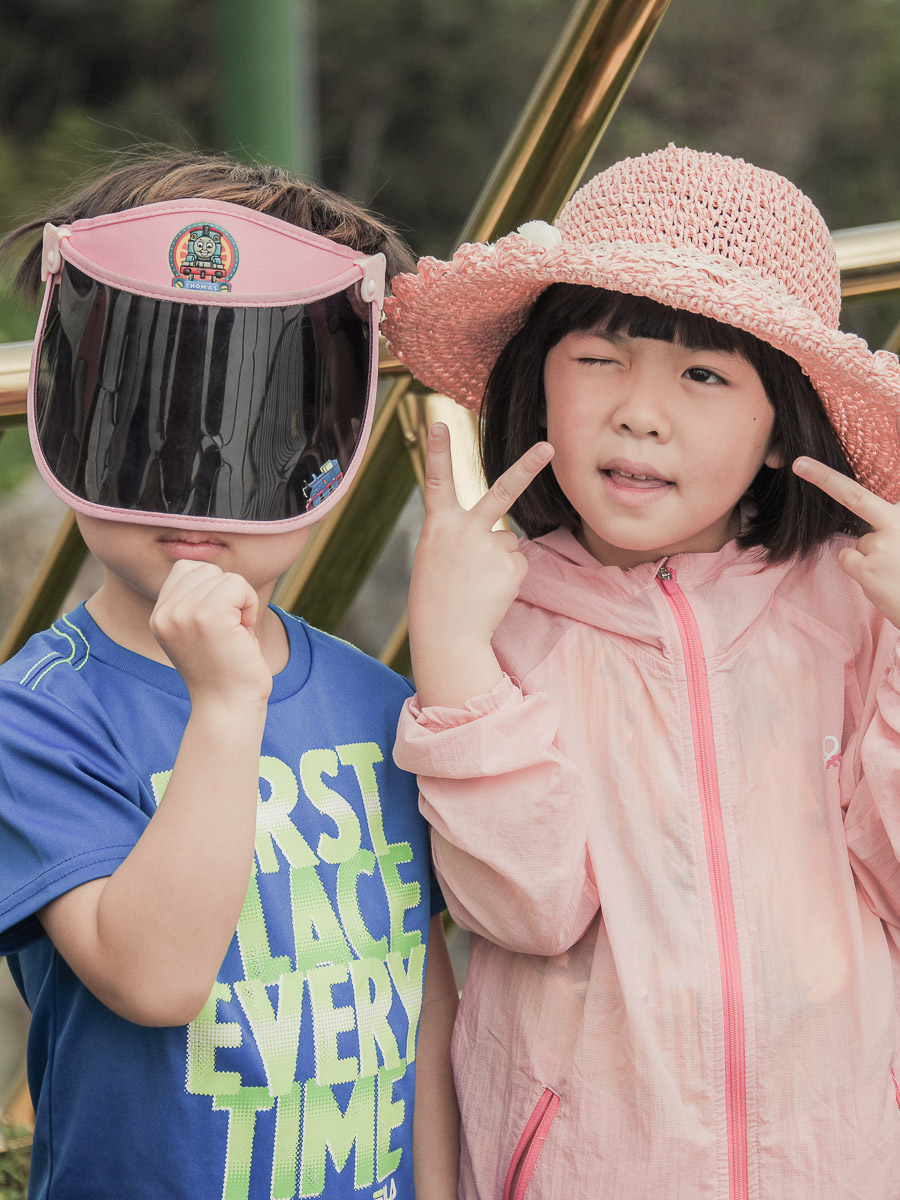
{"x":185,"y":543}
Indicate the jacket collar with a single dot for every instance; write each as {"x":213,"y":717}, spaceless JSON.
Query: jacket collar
{"x":727,"y":589}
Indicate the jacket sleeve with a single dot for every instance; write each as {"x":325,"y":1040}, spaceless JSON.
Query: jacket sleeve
{"x":872,"y":818}
{"x":509,"y":818}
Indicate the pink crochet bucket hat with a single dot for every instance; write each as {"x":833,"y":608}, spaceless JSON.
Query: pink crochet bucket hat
{"x":701,"y":232}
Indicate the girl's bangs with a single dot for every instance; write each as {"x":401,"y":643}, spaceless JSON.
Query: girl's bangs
{"x":640,"y":317}
{"x":579,"y":307}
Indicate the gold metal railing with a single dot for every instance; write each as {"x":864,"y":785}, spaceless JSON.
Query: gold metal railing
{"x":14,"y":359}
{"x":869,"y":258}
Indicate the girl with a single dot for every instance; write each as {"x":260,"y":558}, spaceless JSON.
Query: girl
{"x":662,"y":768}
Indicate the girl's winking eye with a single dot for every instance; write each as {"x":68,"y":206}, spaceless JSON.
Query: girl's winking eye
{"x":595,"y":347}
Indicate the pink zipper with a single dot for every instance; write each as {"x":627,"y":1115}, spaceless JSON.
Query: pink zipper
{"x":720,"y":880}
{"x":529,"y":1146}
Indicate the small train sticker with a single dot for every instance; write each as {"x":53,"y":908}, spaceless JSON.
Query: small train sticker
{"x":203,"y":258}
{"x":322,"y":483}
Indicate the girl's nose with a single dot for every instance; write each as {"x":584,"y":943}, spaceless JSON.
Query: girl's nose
{"x":642,"y":411}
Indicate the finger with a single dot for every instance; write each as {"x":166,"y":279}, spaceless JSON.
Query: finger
{"x":440,"y":491}
{"x":869,"y":543}
{"x":497,"y":502}
{"x":852,"y":562}
{"x":228,"y":594}
{"x":507,"y":540}
{"x":185,"y":574}
{"x":852,"y":495}
{"x":198,"y":597}
{"x":192,"y":591}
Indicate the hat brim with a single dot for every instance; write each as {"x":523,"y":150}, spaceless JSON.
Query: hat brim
{"x":449,"y":322}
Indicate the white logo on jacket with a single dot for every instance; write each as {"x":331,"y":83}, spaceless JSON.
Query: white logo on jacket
{"x":831,"y":751}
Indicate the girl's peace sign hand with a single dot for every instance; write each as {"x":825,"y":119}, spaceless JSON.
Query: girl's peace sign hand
{"x":465,"y":576}
{"x":875,"y":560}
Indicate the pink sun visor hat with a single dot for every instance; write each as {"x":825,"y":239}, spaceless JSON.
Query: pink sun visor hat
{"x":199,"y":364}
{"x":696,"y":231}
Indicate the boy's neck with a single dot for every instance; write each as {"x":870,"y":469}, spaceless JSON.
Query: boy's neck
{"x":124,"y":616}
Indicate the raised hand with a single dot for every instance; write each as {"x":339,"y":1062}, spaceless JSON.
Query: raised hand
{"x":465,"y":576}
{"x":149,"y":938}
{"x":875,"y":560}
{"x":204,"y":619}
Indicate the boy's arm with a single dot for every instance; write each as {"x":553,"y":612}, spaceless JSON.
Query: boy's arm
{"x":436,"y":1119}
{"x":149,"y":939}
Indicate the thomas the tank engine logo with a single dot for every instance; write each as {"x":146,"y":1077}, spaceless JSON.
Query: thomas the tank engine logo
{"x":203,"y":258}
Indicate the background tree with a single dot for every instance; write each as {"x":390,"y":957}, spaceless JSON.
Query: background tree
{"x":417,"y":97}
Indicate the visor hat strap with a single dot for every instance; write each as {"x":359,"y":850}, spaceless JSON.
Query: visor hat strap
{"x":51,"y":255}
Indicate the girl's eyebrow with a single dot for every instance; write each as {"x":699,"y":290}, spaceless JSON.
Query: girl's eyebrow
{"x":707,"y":349}
{"x":617,"y":337}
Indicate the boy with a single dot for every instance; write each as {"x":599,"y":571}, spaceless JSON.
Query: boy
{"x":215,"y":890}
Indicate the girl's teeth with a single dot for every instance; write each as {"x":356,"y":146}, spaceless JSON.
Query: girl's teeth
{"x":627,"y":477}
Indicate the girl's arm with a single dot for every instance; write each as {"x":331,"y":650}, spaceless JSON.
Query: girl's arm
{"x":870,"y":777}
{"x":149,"y":939}
{"x":872,"y":770}
{"x":436,"y":1118}
{"x":508,"y":811}
{"x":509,"y":816}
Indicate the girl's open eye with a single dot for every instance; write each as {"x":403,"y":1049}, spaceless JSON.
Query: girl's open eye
{"x":703,"y":375}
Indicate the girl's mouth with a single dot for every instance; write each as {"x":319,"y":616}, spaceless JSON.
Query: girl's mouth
{"x":634,"y":488}
{"x":627,"y":479}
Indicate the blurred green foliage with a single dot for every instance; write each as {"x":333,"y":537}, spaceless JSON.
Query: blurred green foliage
{"x":417,"y":97}
{"x":15,"y":460}
{"x":15,"y":1160}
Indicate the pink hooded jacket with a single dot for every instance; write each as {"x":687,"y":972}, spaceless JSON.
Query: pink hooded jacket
{"x":673,"y":831}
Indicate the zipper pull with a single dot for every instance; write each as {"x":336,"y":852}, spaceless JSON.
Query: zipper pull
{"x":667,"y":579}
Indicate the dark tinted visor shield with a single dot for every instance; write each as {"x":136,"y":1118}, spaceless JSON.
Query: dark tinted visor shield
{"x":198,"y":363}
{"x":163,"y":407}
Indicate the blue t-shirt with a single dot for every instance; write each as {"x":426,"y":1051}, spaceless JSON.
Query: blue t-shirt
{"x":297,"y":1078}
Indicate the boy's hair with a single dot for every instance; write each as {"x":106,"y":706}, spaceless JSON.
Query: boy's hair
{"x":786,"y":515}
{"x":150,"y":177}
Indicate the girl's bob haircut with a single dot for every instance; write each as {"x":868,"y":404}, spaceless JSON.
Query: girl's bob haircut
{"x":784,"y":515}
{"x":696,"y":232}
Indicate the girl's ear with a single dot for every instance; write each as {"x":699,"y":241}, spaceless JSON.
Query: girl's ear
{"x":774,"y":458}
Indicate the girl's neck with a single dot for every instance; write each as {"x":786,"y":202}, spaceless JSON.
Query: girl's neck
{"x":707,"y":541}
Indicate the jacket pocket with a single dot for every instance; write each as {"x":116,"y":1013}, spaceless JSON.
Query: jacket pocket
{"x":896,"y":1087}
{"x":529,"y":1147}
